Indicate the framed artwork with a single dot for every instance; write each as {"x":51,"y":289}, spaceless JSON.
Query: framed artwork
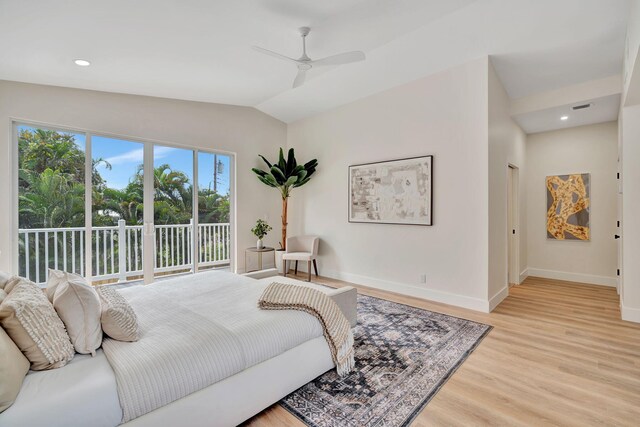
{"x":568,"y":203}
{"x":392,"y":192}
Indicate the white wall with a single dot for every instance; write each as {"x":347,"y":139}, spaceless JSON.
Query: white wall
{"x":241,"y":130}
{"x":630,"y":173}
{"x":631,"y":71}
{"x":444,"y":115}
{"x":506,"y":147}
{"x":630,"y":290}
{"x":585,"y":149}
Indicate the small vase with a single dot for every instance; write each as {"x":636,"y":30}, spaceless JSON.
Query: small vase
{"x":259,"y":245}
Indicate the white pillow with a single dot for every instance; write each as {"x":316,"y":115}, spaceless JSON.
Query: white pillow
{"x":32,"y":323}
{"x":78,"y":305}
{"x":55,"y":278}
{"x":119,"y":321}
{"x":13,"y":368}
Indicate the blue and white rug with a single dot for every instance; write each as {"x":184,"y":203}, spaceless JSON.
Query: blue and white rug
{"x":403,"y":356}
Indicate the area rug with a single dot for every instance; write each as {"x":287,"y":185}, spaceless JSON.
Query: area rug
{"x":403,"y":356}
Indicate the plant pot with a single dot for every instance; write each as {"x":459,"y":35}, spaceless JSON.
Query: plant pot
{"x":279,"y":263}
{"x":259,"y":244}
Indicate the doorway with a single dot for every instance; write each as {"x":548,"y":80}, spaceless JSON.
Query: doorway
{"x":513,"y":246}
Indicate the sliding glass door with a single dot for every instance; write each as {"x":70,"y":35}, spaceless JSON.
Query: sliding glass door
{"x":81,"y":207}
{"x":173,"y":201}
{"x":51,"y":201}
{"x":214,"y":206}
{"x":117,"y":209}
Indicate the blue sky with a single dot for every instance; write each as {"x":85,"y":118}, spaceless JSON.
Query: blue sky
{"x":125,"y":156}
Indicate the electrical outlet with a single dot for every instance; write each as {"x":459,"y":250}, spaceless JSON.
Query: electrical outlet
{"x":423,"y":278}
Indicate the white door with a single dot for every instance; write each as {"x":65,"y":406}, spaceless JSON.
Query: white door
{"x":512,"y":226}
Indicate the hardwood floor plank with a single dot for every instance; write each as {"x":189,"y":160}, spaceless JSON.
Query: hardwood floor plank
{"x":558,"y":355}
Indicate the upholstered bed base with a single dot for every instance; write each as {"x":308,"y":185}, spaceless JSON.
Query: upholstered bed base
{"x":239,"y":397}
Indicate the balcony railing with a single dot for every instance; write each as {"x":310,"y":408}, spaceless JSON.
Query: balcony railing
{"x":118,"y":250}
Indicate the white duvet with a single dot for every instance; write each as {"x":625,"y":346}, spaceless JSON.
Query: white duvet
{"x":195,"y":331}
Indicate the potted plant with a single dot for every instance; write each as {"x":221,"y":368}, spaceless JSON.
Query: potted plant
{"x":285,"y":175}
{"x":260,"y":230}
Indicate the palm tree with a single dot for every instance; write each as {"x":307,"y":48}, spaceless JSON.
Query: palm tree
{"x":50,"y":200}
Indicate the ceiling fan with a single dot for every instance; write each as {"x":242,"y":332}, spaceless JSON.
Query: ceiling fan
{"x":304,"y":63}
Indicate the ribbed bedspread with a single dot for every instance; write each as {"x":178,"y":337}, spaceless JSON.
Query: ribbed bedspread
{"x":195,"y":331}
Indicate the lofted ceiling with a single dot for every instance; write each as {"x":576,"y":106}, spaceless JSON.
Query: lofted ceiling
{"x":201,"y":49}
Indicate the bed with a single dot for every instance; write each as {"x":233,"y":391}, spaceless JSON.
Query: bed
{"x":276,"y":353}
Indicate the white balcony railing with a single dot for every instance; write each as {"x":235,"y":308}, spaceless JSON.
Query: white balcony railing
{"x":118,"y":250}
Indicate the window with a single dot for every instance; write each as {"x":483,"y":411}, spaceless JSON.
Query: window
{"x":95,"y":227}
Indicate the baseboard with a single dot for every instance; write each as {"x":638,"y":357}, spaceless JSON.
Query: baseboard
{"x":471,"y":303}
{"x":630,"y":314}
{"x":524,"y":274}
{"x":572,"y":277}
{"x":495,"y":300}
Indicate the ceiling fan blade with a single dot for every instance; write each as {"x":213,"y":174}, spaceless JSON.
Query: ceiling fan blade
{"x":341,"y":58}
{"x":302,"y":74}
{"x":272,"y":53}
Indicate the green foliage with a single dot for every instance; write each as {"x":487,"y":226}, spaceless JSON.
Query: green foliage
{"x":286,"y":174}
{"x":52,"y":184}
{"x":51,"y":199}
{"x":261,"y":229}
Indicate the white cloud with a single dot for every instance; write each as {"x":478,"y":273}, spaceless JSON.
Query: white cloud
{"x":136,"y":156}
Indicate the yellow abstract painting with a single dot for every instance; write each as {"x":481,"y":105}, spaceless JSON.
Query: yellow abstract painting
{"x":568,"y":202}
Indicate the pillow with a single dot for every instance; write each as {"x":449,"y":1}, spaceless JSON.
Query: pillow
{"x":3,"y":295}
{"x":4,"y":278}
{"x":78,"y":306}
{"x":8,"y":286}
{"x":55,"y":278}
{"x":32,"y":323}
{"x":13,"y":368}
{"x":119,"y":321}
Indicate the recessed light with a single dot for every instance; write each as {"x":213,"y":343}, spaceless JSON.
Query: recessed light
{"x":82,"y":62}
{"x":563,"y":118}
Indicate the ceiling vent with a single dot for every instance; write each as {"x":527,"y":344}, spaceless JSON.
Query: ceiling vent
{"x":581,"y":107}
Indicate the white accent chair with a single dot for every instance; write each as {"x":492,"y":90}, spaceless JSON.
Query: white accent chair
{"x":302,"y":248}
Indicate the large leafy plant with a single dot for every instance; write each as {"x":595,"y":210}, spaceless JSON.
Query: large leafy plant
{"x":285,"y":175}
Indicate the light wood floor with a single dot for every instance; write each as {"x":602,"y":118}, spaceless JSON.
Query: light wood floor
{"x":558,"y":355}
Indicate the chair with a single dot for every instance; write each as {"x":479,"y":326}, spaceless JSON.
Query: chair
{"x":302,"y":248}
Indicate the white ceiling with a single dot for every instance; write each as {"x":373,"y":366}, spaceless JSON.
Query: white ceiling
{"x":604,"y":109}
{"x":200,"y":49}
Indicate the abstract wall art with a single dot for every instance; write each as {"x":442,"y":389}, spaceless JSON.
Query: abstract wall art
{"x":568,"y":203}
{"x":392,"y":192}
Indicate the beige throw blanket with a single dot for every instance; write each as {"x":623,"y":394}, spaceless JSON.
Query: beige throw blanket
{"x":335,"y":326}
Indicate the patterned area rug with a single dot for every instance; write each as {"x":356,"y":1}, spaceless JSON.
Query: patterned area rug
{"x":403,"y":356}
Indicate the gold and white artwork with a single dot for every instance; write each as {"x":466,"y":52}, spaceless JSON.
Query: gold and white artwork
{"x":568,"y":203}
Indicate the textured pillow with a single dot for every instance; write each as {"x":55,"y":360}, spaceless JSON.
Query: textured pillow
{"x":4,"y":278}
{"x":13,"y":368}
{"x":55,"y":278}
{"x":119,"y":321}
{"x":78,"y":306}
{"x":32,"y":323}
{"x":3,"y":295}
{"x":8,"y":286}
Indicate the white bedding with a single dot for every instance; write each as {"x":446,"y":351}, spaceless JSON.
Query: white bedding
{"x":196,"y":332}
{"x":83,"y":393}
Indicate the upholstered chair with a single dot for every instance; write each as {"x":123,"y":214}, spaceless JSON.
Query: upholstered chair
{"x":302,"y":248}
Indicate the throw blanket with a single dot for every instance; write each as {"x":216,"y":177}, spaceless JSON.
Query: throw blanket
{"x":196,"y":331}
{"x":335,"y":326}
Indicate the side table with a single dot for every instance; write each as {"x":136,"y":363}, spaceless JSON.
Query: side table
{"x":260,"y":253}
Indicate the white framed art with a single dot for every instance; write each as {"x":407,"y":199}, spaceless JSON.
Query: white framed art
{"x":392,"y":192}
